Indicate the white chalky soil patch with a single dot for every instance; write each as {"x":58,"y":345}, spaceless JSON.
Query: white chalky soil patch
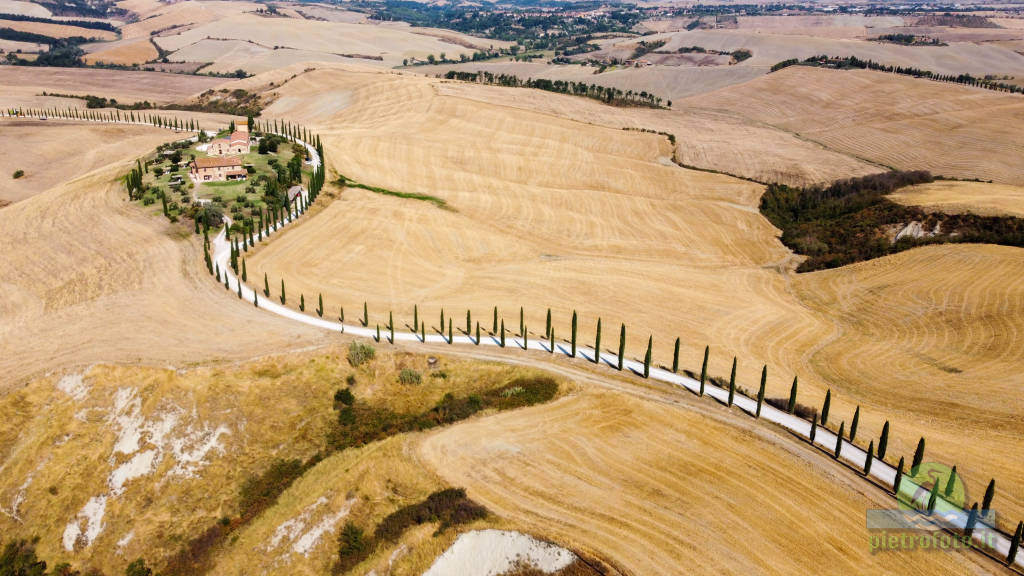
{"x":300,"y":536}
{"x":74,"y":386}
{"x":495,"y":552}
{"x":139,"y":449}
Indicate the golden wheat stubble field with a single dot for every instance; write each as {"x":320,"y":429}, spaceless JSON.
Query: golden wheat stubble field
{"x":983,"y":198}
{"x":657,"y":488}
{"x":552,"y":213}
{"x":898,"y":121}
{"x":90,"y":277}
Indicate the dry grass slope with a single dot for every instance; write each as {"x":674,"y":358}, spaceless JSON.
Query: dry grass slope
{"x":977,"y":197}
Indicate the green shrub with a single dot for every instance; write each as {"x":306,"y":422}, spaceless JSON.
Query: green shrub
{"x":259,"y":492}
{"x":18,"y":174}
{"x":360,"y":353}
{"x":408,"y":377}
{"x":344,"y":396}
{"x":353,"y":547}
{"x":449,"y":507}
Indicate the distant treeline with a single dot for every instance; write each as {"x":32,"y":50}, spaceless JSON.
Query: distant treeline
{"x":910,"y":40}
{"x":21,"y":36}
{"x":91,"y":24}
{"x":851,"y":62}
{"x":101,"y":102}
{"x":606,"y":94}
{"x":852,"y":220}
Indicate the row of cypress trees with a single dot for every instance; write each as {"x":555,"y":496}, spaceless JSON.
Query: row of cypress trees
{"x":172,"y":122}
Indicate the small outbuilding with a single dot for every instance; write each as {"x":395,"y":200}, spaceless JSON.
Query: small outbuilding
{"x":217,"y":169}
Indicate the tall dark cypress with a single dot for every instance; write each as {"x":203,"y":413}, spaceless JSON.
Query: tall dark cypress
{"x":302,"y":302}
{"x":883,"y":441}
{"x":494,"y":324}
{"x":647,"y":357}
{"x":622,"y":345}
{"x":469,"y":322}
{"x":1011,"y":556}
{"x":898,"y":478}
{"x":867,"y":460}
{"x":933,"y":498}
{"x":972,"y":521}
{"x":825,"y":407}
{"x":792,"y":396}
{"x":320,"y":307}
{"x":282,"y":292}
{"x":760,"y":391}
{"x":732,"y":381}
{"x":245,"y":275}
{"x":853,"y":424}
{"x":918,"y":457}
{"x":477,"y":333}
{"x":704,"y":369}
{"x":415,"y":316}
{"x":366,"y":314}
{"x":675,"y":357}
{"x":986,"y":502}
{"x":551,"y":340}
{"x":547,"y":325}
{"x":573,"y":334}
{"x":839,"y":439}
{"x":522,"y":322}
{"x":502,"y":337}
{"x":597,"y":344}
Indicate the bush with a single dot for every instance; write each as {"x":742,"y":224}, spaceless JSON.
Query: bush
{"x":18,"y":174}
{"x":408,"y":377}
{"x":344,"y":396}
{"x":353,"y":547}
{"x":450,"y":507}
{"x":360,"y":353}
{"x":260,"y":492}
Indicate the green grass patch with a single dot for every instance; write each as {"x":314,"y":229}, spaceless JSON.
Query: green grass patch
{"x":439,"y":202}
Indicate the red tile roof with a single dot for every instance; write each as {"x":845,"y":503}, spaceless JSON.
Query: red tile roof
{"x":224,"y":162}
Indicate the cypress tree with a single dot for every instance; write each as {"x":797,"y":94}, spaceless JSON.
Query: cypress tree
{"x":197,"y":225}
{"x":1011,"y":556}
{"x":986,"y":502}
{"x":899,"y":477}
{"x":814,"y":427}
{"x":494,"y":324}
{"x":245,"y":275}
{"x":597,"y":344}
{"x":933,"y":498}
{"x":502,"y":338}
{"x":547,"y":329}
{"x":760,"y":391}
{"x":239,"y":290}
{"x":853,"y":424}
{"x":647,"y":356}
{"x":825,"y":407}
{"x":867,"y":460}
{"x":573,"y":334}
{"x":704,"y":369}
{"x":951,"y":483}
{"x":526,"y":343}
{"x":341,"y":314}
{"x":622,"y":344}
{"x":377,"y":337}
{"x":792,"y":396}
{"x":972,"y":521}
{"x":469,"y":323}
{"x":282,"y":292}
{"x":423,"y":332}
{"x":732,"y":381}
{"x":226,"y":285}
{"x":551,"y":336}
{"x":217,"y":266}
{"x":478,"y":333}
{"x":675,"y":357}
{"x":302,"y":302}
{"x":839,"y":439}
{"x":415,"y":316}
{"x":442,"y":320}
{"x":366,"y":315}
{"x":883,"y":440}
{"x":522,"y":322}
{"x":391,"y":325}
{"x":255,"y":299}
{"x":918,"y":457}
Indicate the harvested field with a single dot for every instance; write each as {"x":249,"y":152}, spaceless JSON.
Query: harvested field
{"x":903,"y":122}
{"x":769,"y":49}
{"x":230,"y":55}
{"x":560,"y":214}
{"x":83,"y":147}
{"x":706,"y":139}
{"x":124,"y":52}
{"x":13,"y":46}
{"x":125,"y":86}
{"x":655,"y":486}
{"x":160,"y":18}
{"x":23,"y":8}
{"x":958,"y":197}
{"x":845,"y":26}
{"x":112,"y":281}
{"x":328,"y":38}
{"x":668,"y":82}
{"x":330,"y":14}
{"x":57,"y":30}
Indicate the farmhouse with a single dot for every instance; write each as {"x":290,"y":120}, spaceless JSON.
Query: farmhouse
{"x":213,"y":169}
{"x":237,"y":143}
